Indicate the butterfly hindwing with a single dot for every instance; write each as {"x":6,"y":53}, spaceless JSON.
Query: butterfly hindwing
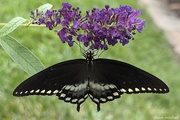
{"x":101,"y":88}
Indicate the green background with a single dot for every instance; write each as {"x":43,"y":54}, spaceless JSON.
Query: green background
{"x":149,"y":51}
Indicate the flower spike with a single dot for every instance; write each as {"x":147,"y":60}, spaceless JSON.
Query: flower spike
{"x":98,"y":29}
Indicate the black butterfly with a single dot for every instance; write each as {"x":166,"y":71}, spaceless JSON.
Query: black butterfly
{"x":102,"y":80}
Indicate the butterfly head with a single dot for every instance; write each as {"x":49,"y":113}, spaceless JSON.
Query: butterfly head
{"x":89,"y":55}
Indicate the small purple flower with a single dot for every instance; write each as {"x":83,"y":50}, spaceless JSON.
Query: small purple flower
{"x":97,"y":26}
{"x":63,"y":35}
{"x":58,"y":20}
{"x":65,"y":22}
{"x":42,"y":20}
{"x":70,"y":43}
{"x":98,"y":29}
{"x":84,"y":26}
{"x":49,"y":13}
{"x":49,"y":24}
{"x":140,"y":25}
{"x":76,"y":24}
{"x":107,"y":7}
{"x":66,"y":5}
{"x":82,"y":38}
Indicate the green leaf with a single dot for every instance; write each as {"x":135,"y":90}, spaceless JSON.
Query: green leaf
{"x":11,"y":25}
{"x":45,"y":7}
{"x":21,"y":55}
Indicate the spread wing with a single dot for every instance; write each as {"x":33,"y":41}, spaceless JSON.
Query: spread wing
{"x":67,"y":80}
{"x":110,"y":79}
{"x":104,"y":80}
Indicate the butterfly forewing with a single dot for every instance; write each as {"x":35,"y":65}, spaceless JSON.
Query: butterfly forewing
{"x":129,"y":79}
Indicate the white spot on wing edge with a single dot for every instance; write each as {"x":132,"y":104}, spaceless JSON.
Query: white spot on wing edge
{"x":86,"y":96}
{"x":130,"y":90}
{"x":110,"y":97}
{"x":64,"y":87}
{"x":90,"y":96}
{"x":55,"y":91}
{"x":81,"y":100}
{"x":42,"y":91}
{"x":48,"y":92}
{"x":106,"y":87}
{"x":137,"y":89}
{"x":37,"y":91}
{"x":123,"y":90}
{"x":68,"y":99}
{"x":74,"y":100}
{"x":116,"y":94}
{"x":149,"y":89}
{"x":112,"y":86}
{"x":31,"y":91}
{"x":103,"y":99}
{"x":143,"y":89}
{"x":96,"y":100}
{"x":72,"y":88}
{"x":60,"y":91}
{"x":62,"y":95}
{"x":67,"y":87}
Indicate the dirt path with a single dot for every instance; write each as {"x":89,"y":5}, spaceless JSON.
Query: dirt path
{"x":165,"y":15}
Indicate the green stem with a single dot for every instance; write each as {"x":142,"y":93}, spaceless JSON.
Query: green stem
{"x":25,"y":25}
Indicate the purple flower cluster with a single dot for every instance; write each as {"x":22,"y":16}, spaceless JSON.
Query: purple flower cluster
{"x":97,"y":29}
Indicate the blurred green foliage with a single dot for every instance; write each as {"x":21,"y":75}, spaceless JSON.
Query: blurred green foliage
{"x":149,"y":51}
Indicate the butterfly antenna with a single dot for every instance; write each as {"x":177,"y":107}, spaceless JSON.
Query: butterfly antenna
{"x":80,"y":47}
{"x":95,"y":52}
{"x":101,"y":53}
